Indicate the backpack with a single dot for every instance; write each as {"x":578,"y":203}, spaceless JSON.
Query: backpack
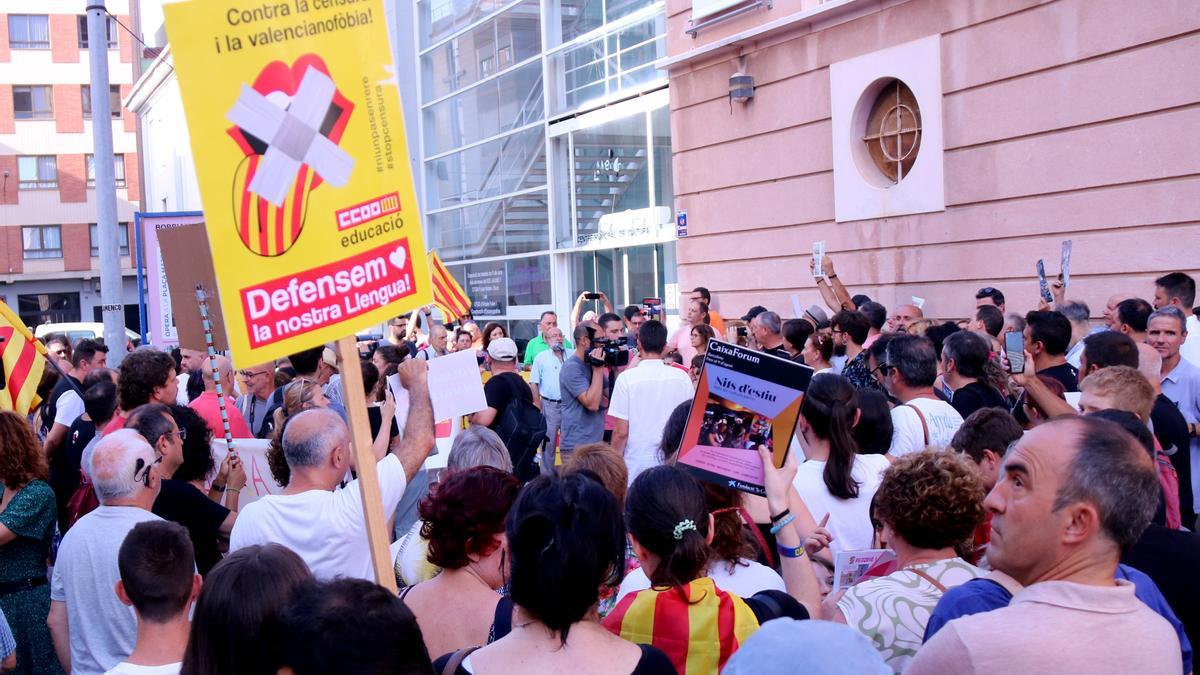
{"x":523,"y":430}
{"x":82,"y":502}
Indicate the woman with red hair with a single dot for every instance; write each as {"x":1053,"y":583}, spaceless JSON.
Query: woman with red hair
{"x":463,"y":520}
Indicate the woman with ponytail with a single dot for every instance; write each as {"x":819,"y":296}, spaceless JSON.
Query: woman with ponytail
{"x":698,"y":624}
{"x":566,"y":541}
{"x":836,"y":479}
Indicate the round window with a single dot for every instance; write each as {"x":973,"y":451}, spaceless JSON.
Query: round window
{"x":893,"y":130}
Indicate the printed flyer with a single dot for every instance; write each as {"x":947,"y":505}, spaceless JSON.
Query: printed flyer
{"x":294,"y":114}
{"x":745,"y":399}
{"x":851,"y":568}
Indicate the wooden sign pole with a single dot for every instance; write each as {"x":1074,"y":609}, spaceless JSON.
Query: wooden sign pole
{"x":355,"y":401}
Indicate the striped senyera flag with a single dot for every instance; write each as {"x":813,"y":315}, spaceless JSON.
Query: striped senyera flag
{"x":24,"y":361}
{"x":448,"y":296}
{"x":698,"y":626}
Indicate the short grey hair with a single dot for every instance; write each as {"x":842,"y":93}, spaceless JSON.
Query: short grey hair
{"x":1172,"y":312}
{"x":1113,"y":472}
{"x":478,"y":446}
{"x":1076,"y":312}
{"x":115,"y":461}
{"x":770,"y":321}
{"x":152,"y":421}
{"x":303,"y":447}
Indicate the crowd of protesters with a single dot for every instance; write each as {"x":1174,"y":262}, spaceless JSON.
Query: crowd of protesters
{"x":1040,"y":501}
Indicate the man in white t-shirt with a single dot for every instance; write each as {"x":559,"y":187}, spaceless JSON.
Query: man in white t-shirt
{"x":65,"y":403}
{"x":324,"y":525}
{"x":91,"y":628}
{"x":643,"y":398}
{"x":922,"y":419}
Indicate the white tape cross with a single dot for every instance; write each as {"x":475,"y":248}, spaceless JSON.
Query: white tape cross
{"x":292,"y":136}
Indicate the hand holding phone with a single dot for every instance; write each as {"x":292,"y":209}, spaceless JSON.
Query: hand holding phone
{"x":1014,"y":351}
{"x":1042,"y":283}
{"x":591,"y":296}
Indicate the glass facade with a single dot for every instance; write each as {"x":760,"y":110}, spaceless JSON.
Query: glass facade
{"x":545,"y":147}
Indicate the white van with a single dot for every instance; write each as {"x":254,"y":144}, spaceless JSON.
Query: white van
{"x":78,"y":330}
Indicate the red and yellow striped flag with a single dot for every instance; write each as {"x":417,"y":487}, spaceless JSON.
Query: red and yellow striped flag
{"x":448,"y":296}
{"x":24,"y":360}
{"x":698,"y":626}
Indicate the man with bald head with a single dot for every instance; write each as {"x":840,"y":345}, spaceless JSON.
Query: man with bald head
{"x":1110,"y":308}
{"x":1074,"y":494}
{"x":325,"y":527}
{"x":903,"y":316}
{"x":207,"y":406}
{"x":92,"y":629}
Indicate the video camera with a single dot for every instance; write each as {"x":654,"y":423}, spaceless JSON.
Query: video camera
{"x":616,"y":352}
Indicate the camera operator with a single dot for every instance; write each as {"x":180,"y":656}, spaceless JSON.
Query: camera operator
{"x":584,"y":385}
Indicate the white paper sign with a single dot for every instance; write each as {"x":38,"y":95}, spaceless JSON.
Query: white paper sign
{"x":253,"y":451}
{"x":919,"y":302}
{"x":1073,"y":397}
{"x":797,"y":310}
{"x":455,"y":387}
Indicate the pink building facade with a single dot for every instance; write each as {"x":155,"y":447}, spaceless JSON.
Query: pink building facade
{"x":1039,"y":121}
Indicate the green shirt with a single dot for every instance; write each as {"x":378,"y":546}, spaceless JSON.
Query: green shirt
{"x":538,"y":345}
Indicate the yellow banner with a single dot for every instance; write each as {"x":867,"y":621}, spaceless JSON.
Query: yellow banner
{"x":294,"y":114}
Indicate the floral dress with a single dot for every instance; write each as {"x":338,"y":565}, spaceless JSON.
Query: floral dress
{"x":31,"y":516}
{"x":892,"y":611}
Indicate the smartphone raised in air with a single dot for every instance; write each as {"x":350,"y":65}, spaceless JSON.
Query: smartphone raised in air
{"x":1014,"y":351}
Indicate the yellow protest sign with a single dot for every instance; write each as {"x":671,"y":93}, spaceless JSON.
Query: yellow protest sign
{"x":296,"y":127}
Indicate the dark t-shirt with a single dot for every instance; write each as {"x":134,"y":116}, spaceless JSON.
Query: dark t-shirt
{"x":501,"y":390}
{"x":375,"y":417}
{"x":64,"y":466}
{"x":1065,"y":373}
{"x":181,"y":503}
{"x":1171,"y":558}
{"x":780,"y":352}
{"x":653,"y":662}
{"x":977,"y":395}
{"x":1170,"y":428}
{"x":770,"y":605}
{"x":51,"y":408}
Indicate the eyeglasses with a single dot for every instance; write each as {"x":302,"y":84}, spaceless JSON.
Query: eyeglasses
{"x":181,"y":433}
{"x":248,"y":375}
{"x":143,"y":469}
{"x":884,"y":369}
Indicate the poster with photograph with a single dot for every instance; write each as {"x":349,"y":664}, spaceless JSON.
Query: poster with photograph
{"x":745,"y":399}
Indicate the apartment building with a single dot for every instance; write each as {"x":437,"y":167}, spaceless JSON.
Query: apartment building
{"x":49,"y":249}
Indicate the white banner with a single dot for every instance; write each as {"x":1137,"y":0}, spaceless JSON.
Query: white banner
{"x":253,"y":451}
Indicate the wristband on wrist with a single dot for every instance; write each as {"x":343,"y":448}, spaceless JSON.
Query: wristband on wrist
{"x":782,"y":524}
{"x":218,"y":488}
{"x":238,"y":490}
{"x":790,"y":552}
{"x":782,"y":514}
{"x":831,"y":276}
